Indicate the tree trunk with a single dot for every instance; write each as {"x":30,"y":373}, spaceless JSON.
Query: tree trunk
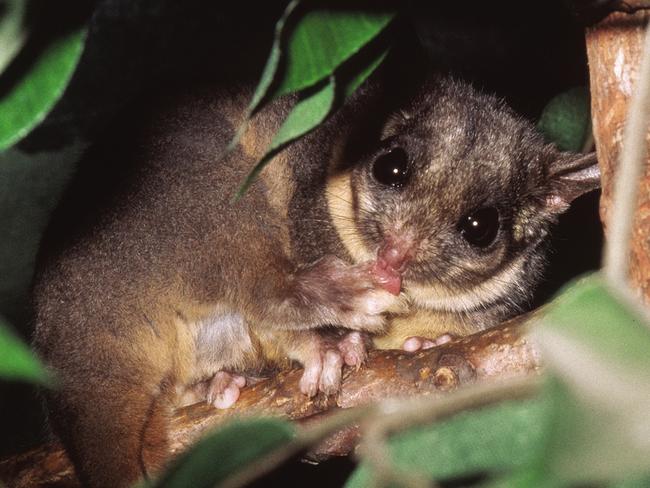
{"x":614,"y":51}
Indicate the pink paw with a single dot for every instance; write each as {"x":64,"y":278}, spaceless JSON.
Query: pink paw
{"x":352,"y":296}
{"x":353,"y":349}
{"x":224,"y":388}
{"x":324,"y":363}
{"x":322,"y":373}
{"x":416,"y":343}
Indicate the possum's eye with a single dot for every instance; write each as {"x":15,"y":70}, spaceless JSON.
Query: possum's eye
{"x":392,"y":168}
{"x":480,"y":227}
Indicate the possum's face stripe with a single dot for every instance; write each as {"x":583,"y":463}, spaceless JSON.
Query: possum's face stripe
{"x":465,"y":188}
{"x":502,"y":287}
{"x":341,"y":204}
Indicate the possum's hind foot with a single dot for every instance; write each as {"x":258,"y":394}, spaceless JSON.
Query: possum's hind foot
{"x":417,"y":343}
{"x":224,"y":388}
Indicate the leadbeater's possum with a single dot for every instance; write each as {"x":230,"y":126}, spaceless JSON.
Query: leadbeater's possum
{"x":408,"y":213}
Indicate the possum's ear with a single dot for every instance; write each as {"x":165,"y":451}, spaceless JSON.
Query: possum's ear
{"x":570,"y":176}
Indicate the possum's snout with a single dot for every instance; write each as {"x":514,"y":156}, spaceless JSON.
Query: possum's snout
{"x":386,"y":277}
{"x":392,"y":260}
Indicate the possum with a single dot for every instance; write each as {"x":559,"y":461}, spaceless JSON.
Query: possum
{"x":414,"y":211}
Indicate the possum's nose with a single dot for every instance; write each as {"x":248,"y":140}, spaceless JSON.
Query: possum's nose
{"x":397,"y":251}
{"x":392,"y":259}
{"x":386,"y":277}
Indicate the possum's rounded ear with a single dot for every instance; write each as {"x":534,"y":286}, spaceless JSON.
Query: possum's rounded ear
{"x":570,"y":176}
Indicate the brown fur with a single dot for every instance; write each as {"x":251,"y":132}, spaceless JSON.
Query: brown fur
{"x":158,"y":282}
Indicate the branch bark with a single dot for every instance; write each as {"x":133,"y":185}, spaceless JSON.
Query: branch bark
{"x":497,"y":353}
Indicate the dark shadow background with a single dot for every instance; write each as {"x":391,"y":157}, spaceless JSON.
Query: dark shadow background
{"x":524,"y":52}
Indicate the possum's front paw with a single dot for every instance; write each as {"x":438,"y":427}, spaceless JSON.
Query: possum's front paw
{"x":322,"y":373}
{"x":349,"y":295}
{"x":323,"y":362}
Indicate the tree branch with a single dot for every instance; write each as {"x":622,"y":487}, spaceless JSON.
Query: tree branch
{"x":497,"y":353}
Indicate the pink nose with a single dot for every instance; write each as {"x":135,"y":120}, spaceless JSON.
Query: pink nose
{"x":392,"y":259}
{"x":396,"y":252}
{"x":386,"y":277}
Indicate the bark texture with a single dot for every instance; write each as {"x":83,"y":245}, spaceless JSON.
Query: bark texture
{"x":496,"y":353}
{"x":614,"y":52}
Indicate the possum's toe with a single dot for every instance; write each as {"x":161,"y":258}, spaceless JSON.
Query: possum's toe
{"x":224,"y":389}
{"x":353,"y":349}
{"x":330,"y":377}
{"x":416,"y":343}
{"x":322,"y":370}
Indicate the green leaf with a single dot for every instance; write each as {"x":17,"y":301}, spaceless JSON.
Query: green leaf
{"x":589,"y":311}
{"x":491,"y":439}
{"x":17,"y":362}
{"x":349,"y":86}
{"x":217,"y":457}
{"x":528,"y":477}
{"x":311,"y":112}
{"x":13,"y":32}
{"x":319,"y":41}
{"x":643,"y":482}
{"x":566,"y":119}
{"x":31,"y":97}
{"x":597,"y":344}
{"x":273,"y":61}
{"x":305,"y":116}
{"x":323,"y":39}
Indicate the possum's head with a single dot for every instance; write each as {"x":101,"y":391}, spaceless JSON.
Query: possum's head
{"x":457,"y":199}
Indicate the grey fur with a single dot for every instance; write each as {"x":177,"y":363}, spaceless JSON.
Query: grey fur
{"x":123,"y":279}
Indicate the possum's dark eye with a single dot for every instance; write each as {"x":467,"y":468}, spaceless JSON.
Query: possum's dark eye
{"x":392,"y":168}
{"x":480,"y":227}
